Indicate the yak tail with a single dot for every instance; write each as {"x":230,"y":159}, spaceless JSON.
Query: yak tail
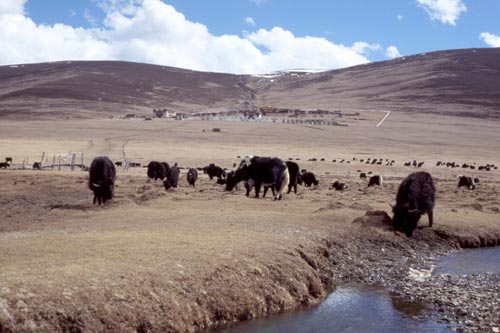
{"x":284,"y":184}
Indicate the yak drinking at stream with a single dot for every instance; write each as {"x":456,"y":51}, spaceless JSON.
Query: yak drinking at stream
{"x":416,"y":196}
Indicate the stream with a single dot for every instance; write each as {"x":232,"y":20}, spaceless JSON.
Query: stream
{"x":371,"y":308}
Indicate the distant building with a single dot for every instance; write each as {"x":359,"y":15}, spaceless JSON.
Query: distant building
{"x":252,"y":114}
{"x":161,"y":113}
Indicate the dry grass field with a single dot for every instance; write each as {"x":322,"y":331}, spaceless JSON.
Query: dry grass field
{"x":187,"y":258}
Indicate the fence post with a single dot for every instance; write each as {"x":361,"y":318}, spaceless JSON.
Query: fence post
{"x":73,"y":158}
{"x":125,"y":157}
{"x":53,"y":162}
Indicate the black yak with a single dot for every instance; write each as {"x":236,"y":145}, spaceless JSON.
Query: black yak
{"x":157,"y":170}
{"x":416,"y":196}
{"x":468,"y":182}
{"x":172,"y":177}
{"x":192,"y":176}
{"x":102,"y":174}
{"x":261,"y":171}
{"x":376,"y":180}
{"x":214,"y":171}
{"x":295,"y":176}
{"x":339,"y":186}
{"x":308,"y":178}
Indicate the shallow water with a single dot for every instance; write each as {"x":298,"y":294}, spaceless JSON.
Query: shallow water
{"x":349,"y":308}
{"x":475,"y":261}
{"x":361,"y":308}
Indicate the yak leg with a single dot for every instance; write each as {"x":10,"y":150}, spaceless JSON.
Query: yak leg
{"x":430,"y":215}
{"x":257,"y":189}
{"x":273,"y":189}
{"x":266,"y":188}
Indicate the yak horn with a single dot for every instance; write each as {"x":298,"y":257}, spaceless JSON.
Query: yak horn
{"x":414,"y":210}
{"x":390,"y":205}
{"x":96,"y":185}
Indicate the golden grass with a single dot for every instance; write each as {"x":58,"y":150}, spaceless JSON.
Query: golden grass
{"x":178,"y":255}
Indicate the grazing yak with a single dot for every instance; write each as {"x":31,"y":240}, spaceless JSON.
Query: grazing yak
{"x":416,"y":196}
{"x":308,"y":178}
{"x":339,"y":186}
{"x":102,"y":174}
{"x":172,"y":177}
{"x":192,"y":176}
{"x":4,"y":165}
{"x":295,"y":176}
{"x":376,"y":180}
{"x":469,"y":182}
{"x":157,"y":170}
{"x":261,"y":171}
{"x":214,"y":171}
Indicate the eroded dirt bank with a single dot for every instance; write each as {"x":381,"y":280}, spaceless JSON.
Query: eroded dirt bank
{"x":188,"y":259}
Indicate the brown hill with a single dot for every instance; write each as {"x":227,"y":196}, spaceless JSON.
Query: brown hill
{"x":88,"y":89}
{"x":462,"y":82}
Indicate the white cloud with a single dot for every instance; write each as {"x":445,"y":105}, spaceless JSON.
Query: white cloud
{"x":12,"y":6}
{"x":26,"y":42}
{"x":392,"y":52}
{"x":490,"y":39}
{"x":445,"y":11}
{"x":151,"y":31}
{"x":286,"y":51}
{"x":250,"y":21}
{"x":364,"y":47}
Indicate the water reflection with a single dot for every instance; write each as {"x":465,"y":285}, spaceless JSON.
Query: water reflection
{"x":470,"y":262}
{"x":350,"y":308}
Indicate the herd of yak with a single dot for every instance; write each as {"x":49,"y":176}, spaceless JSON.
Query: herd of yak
{"x":415,"y":196}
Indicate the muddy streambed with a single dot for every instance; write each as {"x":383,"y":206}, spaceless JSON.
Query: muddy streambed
{"x":372,"y":308}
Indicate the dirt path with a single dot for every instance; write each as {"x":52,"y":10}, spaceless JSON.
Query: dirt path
{"x":383,"y":119}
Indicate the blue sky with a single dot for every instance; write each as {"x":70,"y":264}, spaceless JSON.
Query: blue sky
{"x":242,"y":36}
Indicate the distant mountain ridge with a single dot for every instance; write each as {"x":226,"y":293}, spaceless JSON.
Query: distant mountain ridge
{"x":461,"y":82}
